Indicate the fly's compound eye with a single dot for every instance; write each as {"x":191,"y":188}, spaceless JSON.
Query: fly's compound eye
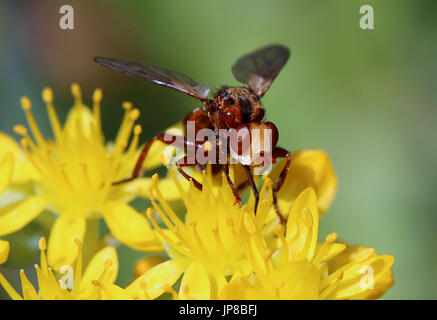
{"x":223,"y":94}
{"x":230,"y":101}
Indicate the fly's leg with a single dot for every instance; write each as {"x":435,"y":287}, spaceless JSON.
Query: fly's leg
{"x":178,"y":141}
{"x":252,"y":185}
{"x":231,"y":184}
{"x":183,"y":162}
{"x":280,"y":153}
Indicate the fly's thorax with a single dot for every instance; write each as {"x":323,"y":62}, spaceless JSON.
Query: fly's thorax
{"x":238,"y":106}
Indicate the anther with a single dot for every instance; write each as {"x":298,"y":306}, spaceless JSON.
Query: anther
{"x":108,"y":263}
{"x":47,"y":95}
{"x":279,"y":230}
{"x":97,"y":95}
{"x":138,"y":130}
{"x":155,"y":178}
{"x":21,"y":130}
{"x":134,"y":114}
{"x":149,"y":213}
{"x":75,"y":90}
{"x":78,"y":242}
{"x":331,"y":237}
{"x":25,"y":103}
{"x":127,"y":105}
{"x":42,"y":244}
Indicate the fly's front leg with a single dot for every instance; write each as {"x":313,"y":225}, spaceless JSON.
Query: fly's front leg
{"x":178,"y":141}
{"x":231,"y":184}
{"x":252,"y":185}
{"x":280,"y":153}
{"x":183,"y":162}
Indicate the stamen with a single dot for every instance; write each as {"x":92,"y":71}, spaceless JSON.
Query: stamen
{"x":107,"y":184}
{"x":177,"y":184}
{"x":202,"y":249}
{"x":278,"y":286}
{"x":134,"y":143}
{"x":173,"y":244}
{"x":25,"y":145}
{"x":161,"y":213}
{"x":325,"y":293}
{"x":75,"y":91}
{"x":363,"y":255}
{"x":186,"y":289}
{"x":47,"y":96}
{"x":67,"y":181}
{"x":280,"y":233}
{"x":26,"y":105}
{"x":79,"y":262}
{"x":126,"y":123}
{"x":42,"y":244}
{"x":169,"y":289}
{"x":22,"y":131}
{"x":9,"y":289}
{"x":167,"y":208}
{"x":218,"y":240}
{"x":143,"y":286}
{"x":84,"y":167}
{"x":97,"y":97}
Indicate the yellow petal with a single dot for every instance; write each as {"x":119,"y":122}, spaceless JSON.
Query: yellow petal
{"x":16,"y":216}
{"x":366,"y":279}
{"x":96,"y":266}
{"x":6,"y":170}
{"x":24,"y":170}
{"x":113,"y":292}
{"x":141,"y":187}
{"x":302,"y":226}
{"x":156,"y":278}
{"x":195,"y":283}
{"x":145,"y":264}
{"x":49,"y":288}
{"x":29,"y":292}
{"x":79,"y":118}
{"x":4,"y":251}
{"x":241,"y":289}
{"x":158,"y":148}
{"x":309,"y":168}
{"x":130,"y":227}
{"x":327,"y":251}
{"x":385,"y":280}
{"x":301,"y":281}
{"x":62,"y":249}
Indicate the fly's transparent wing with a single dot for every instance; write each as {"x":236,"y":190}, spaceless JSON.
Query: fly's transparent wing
{"x":258,"y":69}
{"x":169,"y":78}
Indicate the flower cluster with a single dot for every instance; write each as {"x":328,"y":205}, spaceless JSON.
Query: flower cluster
{"x":216,"y":248}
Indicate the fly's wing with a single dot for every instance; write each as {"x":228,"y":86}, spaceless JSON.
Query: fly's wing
{"x":164,"y":77}
{"x":258,"y":69}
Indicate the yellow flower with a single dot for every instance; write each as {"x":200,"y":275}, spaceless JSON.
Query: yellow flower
{"x":299,"y":267}
{"x":96,"y":282}
{"x":7,"y":164}
{"x":4,"y":251}
{"x":73,"y":175}
{"x":209,"y":246}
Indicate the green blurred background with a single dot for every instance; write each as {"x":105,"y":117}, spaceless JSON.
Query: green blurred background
{"x":366,"y":97}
